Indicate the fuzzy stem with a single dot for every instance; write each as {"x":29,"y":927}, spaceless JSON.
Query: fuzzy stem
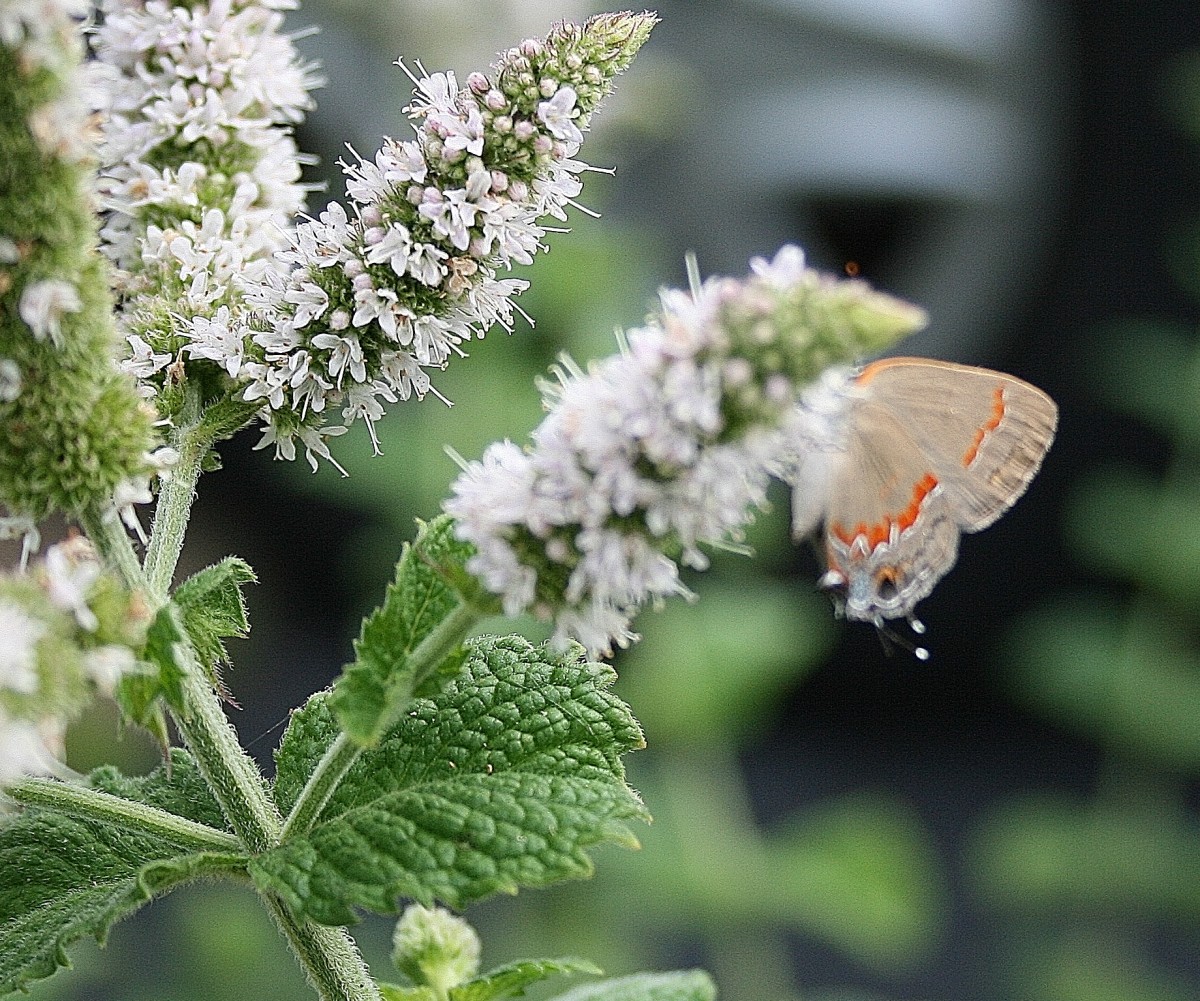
{"x":338,"y":758}
{"x":92,"y":804}
{"x":328,"y":955}
{"x":112,"y":541}
{"x":230,"y":772}
{"x":343,"y":752}
{"x":175,"y":499}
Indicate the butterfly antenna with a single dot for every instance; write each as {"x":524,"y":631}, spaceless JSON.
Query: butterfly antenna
{"x":890,"y":639}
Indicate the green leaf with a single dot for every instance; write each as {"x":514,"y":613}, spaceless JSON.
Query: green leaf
{"x":507,"y":981}
{"x":500,"y":780}
{"x":138,"y":694}
{"x":311,"y":729}
{"x":214,"y":608}
{"x":397,"y":992}
{"x":373,"y":689}
{"x":678,"y":985}
{"x":62,"y":878}
{"x":511,"y":979}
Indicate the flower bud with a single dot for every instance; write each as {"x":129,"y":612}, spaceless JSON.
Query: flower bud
{"x":435,"y":948}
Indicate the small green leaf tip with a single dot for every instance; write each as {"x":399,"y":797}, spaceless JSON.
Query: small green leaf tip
{"x":512,"y":979}
{"x":214,"y":608}
{"x":435,"y":948}
{"x":508,"y":981}
{"x":72,"y":429}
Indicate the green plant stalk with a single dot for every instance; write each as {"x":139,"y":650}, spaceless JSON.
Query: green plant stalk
{"x":175,"y":499}
{"x":92,"y":804}
{"x":343,"y":752}
{"x":234,"y":778}
{"x":108,"y":535}
{"x":328,"y":956}
{"x":338,"y":759}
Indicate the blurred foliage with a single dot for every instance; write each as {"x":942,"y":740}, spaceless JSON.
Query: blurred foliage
{"x":1096,"y":882}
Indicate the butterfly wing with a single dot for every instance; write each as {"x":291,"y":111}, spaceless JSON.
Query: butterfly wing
{"x":984,"y":433}
{"x":889,"y":533}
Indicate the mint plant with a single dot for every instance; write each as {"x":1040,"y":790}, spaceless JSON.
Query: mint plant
{"x":442,"y":767}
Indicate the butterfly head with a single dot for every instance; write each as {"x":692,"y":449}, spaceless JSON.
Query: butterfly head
{"x":867,"y":590}
{"x":876,"y":596}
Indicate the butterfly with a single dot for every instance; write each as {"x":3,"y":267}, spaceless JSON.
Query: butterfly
{"x":919,"y":451}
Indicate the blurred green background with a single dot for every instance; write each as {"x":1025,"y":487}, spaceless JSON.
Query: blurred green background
{"x":1016,"y":819}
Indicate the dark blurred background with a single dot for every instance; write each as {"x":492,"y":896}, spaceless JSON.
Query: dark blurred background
{"x":1016,"y":818}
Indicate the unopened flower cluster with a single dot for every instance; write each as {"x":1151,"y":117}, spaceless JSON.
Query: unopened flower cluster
{"x":381,"y":293}
{"x":435,"y":948}
{"x":71,"y":434}
{"x":199,"y":173}
{"x":67,"y":630}
{"x":663,"y":448}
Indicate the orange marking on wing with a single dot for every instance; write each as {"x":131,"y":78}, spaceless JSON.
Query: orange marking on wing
{"x":989,"y":426}
{"x":881,"y":531}
{"x":870,"y":371}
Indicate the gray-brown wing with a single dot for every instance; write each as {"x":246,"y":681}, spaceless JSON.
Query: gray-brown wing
{"x":984,"y":433}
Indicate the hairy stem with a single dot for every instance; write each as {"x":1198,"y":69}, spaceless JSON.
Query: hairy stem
{"x":112,"y":541}
{"x":337,"y":760}
{"x":230,"y":772}
{"x":174,"y":506}
{"x":92,"y":804}
{"x":328,"y":956}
